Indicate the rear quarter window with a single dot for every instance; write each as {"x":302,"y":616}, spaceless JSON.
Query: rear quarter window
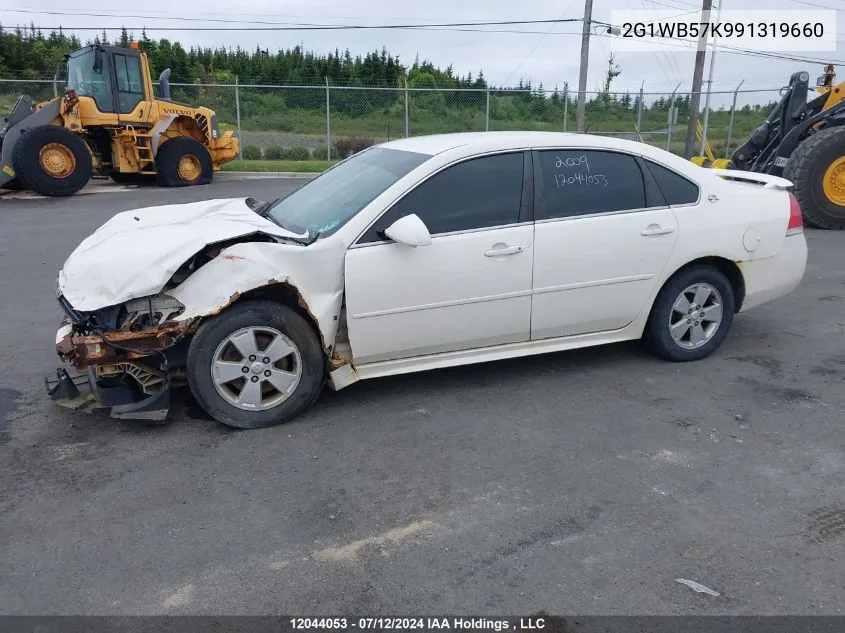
{"x":675,"y":188}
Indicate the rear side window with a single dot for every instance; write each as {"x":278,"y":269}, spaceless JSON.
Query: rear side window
{"x":584,"y":182}
{"x":674,"y":187}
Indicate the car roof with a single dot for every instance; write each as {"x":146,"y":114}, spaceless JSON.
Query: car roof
{"x":469,"y":143}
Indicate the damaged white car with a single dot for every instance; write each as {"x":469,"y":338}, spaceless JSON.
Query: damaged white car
{"x":418,"y":254}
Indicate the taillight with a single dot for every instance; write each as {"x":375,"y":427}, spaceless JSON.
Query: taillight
{"x":796,"y":221}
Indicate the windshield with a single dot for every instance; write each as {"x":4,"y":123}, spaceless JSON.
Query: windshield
{"x":329,"y":201}
{"x":88,"y":82}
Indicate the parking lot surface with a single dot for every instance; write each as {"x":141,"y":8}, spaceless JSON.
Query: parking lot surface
{"x":580,"y":482}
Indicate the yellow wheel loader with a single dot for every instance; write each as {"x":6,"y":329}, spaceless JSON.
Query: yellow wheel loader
{"x":109,"y":122}
{"x":802,"y":141}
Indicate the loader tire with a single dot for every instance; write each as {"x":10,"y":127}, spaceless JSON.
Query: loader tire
{"x":817,"y":169}
{"x":182,"y":162}
{"x":52,"y":161}
{"x":13,"y":185}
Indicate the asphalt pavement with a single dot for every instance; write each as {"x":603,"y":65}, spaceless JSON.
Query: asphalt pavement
{"x":581,"y":482}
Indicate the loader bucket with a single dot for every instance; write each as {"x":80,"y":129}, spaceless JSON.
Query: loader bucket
{"x":20,"y":119}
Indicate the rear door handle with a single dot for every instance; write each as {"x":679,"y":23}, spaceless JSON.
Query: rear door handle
{"x":655,"y":229}
{"x":497,"y":250}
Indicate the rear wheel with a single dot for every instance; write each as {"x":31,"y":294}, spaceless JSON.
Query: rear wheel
{"x":182,"y":162}
{"x":692,"y":315}
{"x":817,"y":168}
{"x":52,"y":161}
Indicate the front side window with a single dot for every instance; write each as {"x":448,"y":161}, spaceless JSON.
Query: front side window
{"x":585,"y":182}
{"x":475,"y":194}
{"x":333,"y":198}
{"x":87,"y":74}
{"x":130,"y":90}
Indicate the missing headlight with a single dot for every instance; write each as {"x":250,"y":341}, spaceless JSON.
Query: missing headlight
{"x":150,"y":312}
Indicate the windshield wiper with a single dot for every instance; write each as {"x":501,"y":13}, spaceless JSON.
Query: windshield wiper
{"x":263,"y":208}
{"x":312,"y":238}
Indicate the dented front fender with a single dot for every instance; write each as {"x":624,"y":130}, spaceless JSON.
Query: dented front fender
{"x":244,"y":267}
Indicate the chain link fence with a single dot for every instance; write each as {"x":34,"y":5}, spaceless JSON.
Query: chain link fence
{"x":320,"y":122}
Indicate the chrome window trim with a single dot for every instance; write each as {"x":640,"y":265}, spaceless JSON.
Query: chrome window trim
{"x":602,"y":214}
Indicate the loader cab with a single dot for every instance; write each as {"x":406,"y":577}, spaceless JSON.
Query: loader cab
{"x":117,"y":79}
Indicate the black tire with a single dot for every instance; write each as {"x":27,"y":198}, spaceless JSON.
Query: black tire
{"x":13,"y":185}
{"x":657,"y":335}
{"x":31,"y":173}
{"x":255,"y":313}
{"x":133,"y":179}
{"x":806,"y":169}
{"x":172,"y":152}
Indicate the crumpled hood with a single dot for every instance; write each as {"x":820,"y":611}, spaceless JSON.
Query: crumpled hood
{"x":136,"y":252}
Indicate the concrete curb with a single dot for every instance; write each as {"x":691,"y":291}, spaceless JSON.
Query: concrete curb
{"x":254,"y":175}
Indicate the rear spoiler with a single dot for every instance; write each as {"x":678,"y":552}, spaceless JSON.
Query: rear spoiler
{"x":768,"y":182}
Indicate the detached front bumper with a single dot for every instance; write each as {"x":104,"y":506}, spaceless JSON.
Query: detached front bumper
{"x":115,"y":385}
{"x":85,"y":393}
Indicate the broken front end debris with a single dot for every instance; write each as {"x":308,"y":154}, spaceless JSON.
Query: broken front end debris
{"x":124,"y":358}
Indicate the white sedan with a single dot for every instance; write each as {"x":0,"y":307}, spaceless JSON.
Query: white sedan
{"x":417,"y":254}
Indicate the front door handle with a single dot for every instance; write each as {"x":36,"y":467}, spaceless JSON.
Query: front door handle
{"x":656,"y":229}
{"x":503,"y":249}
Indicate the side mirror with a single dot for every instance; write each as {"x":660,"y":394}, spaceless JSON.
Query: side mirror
{"x":820,"y":81}
{"x":410,"y":231}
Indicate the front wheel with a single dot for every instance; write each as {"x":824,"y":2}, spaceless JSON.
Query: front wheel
{"x":692,"y":315}
{"x":52,"y":161}
{"x":257,"y":364}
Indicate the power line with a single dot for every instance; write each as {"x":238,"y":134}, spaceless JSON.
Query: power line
{"x":283,"y":26}
{"x":537,"y":45}
{"x":814,"y":4}
{"x":445,"y":26}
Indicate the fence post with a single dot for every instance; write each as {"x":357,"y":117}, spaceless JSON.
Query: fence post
{"x":565,"y":107}
{"x":406,"y":107}
{"x":640,"y":111}
{"x":328,"y":123}
{"x":238,"y":118}
{"x":671,"y":120}
{"x":487,"y":112}
{"x":731,"y":121}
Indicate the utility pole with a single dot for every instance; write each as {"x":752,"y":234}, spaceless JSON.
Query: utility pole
{"x":709,"y":84}
{"x":585,"y":55}
{"x":698,"y":72}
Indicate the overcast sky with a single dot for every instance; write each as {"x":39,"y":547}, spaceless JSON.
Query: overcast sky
{"x":550,"y":57}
